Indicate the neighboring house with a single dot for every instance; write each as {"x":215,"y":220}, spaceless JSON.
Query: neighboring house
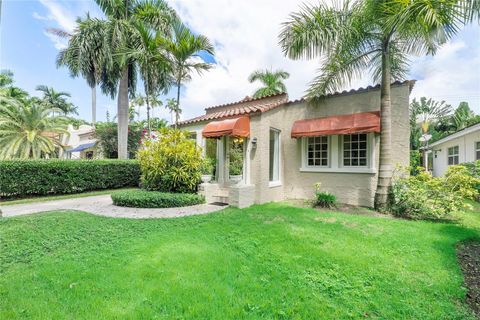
{"x":461,"y":146}
{"x":288,"y":146}
{"x":80,"y":143}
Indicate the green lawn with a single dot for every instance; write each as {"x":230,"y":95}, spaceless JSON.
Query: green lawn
{"x":60,"y":197}
{"x":268,"y":261}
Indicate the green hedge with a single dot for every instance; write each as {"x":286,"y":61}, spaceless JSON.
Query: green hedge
{"x":23,"y":178}
{"x":155,"y":199}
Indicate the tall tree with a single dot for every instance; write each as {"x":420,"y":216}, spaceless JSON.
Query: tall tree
{"x":272,"y":82}
{"x":28,"y":131}
{"x":85,"y":54}
{"x":154,"y":65}
{"x":184,"y":49}
{"x":462,"y":116}
{"x":172,"y":106}
{"x":56,"y":100}
{"x":122,"y":17}
{"x":372,"y":36}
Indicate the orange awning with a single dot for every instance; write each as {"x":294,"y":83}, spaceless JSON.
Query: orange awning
{"x":343,"y":124}
{"x":238,"y":127}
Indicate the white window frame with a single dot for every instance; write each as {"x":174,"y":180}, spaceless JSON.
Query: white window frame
{"x":335,"y":154}
{"x":305,"y":154}
{"x":342,"y":152}
{"x":275,"y":183}
{"x":477,"y":150}
{"x":453,"y":155}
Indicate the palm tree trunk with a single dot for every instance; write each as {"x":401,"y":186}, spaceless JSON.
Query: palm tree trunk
{"x":178,"y":103}
{"x":94,"y":105}
{"x":148,"y":108}
{"x":122,"y":110}
{"x":386,"y":168}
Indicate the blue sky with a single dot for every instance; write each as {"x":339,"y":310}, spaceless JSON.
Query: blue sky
{"x":244,"y":42}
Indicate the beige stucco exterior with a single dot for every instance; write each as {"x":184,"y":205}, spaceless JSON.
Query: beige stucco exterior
{"x":354,"y":186}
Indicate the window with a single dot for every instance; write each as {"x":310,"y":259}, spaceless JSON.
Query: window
{"x":274,"y":170}
{"x":192,"y":135}
{"x":453,"y":155}
{"x":317,"y":151}
{"x":355,"y":150}
{"x":477,"y":150}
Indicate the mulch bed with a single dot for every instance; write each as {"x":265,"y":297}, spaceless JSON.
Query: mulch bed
{"x":468,"y":254}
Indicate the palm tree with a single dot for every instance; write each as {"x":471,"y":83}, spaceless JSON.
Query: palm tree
{"x":6,"y":78}
{"x":85,"y":54}
{"x":184,"y":49}
{"x":272,"y":82}
{"x":121,"y":34}
{"x":28,"y":131}
{"x":153,"y":64}
{"x":376,"y":37}
{"x":56,"y":100}
{"x":172,"y":106}
{"x":462,"y":116}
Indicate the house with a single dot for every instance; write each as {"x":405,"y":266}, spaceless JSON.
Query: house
{"x":272,"y":149}
{"x":80,"y":143}
{"x":461,"y":146}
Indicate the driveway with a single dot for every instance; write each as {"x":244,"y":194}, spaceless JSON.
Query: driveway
{"x":103,"y":206}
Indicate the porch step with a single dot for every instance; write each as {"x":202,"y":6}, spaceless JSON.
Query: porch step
{"x":221,"y":195}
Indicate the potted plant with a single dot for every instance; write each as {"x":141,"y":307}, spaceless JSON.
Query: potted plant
{"x":207,"y":169}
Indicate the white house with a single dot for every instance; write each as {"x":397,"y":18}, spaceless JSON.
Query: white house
{"x":461,"y":146}
{"x":80,"y":143}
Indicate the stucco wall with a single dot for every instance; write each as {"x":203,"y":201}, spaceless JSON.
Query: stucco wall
{"x":351,"y":188}
{"x":466,"y":149}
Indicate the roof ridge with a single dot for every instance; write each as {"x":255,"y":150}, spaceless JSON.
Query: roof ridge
{"x":246,"y":99}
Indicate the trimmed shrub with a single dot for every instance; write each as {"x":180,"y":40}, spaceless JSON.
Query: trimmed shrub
{"x":173,"y":163}
{"x":154,"y":199}
{"x":22,"y":178}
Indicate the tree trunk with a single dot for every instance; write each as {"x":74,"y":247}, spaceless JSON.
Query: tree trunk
{"x":148,"y":108}
{"x":177,"y":109}
{"x":122,"y":110}
{"x":94,"y":105}
{"x":386,"y":167}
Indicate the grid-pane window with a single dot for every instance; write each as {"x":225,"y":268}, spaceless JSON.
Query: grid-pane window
{"x":477,"y":150}
{"x":274,"y":155}
{"x":453,"y":155}
{"x":355,"y":150}
{"x":317,"y":151}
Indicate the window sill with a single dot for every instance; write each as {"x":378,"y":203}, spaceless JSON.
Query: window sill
{"x":339,"y":170}
{"x":273,"y":184}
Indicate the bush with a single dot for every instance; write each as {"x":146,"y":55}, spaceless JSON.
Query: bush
{"x":21,"y":178}
{"x":459,"y":179}
{"x":324,"y":199}
{"x":430,"y":198}
{"x":173,"y":163}
{"x":154,"y":199}
{"x":473,"y":169}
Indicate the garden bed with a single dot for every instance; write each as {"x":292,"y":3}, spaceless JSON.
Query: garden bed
{"x":468,"y":255}
{"x":154,"y":199}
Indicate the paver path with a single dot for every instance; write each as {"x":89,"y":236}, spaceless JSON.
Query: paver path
{"x":103,"y":206}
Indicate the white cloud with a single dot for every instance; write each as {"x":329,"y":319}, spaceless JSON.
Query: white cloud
{"x":58,"y":13}
{"x":452,"y":75}
{"x":37,"y":16}
{"x":245,"y":34}
{"x":58,"y":43}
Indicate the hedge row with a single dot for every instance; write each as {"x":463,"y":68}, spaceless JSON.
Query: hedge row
{"x":154,"y":199}
{"x":22,"y":178}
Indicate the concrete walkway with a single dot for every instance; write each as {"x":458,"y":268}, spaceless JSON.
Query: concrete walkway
{"x":103,"y":206}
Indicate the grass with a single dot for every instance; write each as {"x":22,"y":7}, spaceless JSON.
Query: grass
{"x":269,"y":261}
{"x":60,"y":197}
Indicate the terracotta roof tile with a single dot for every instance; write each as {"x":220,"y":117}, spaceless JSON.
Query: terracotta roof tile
{"x":252,"y":106}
